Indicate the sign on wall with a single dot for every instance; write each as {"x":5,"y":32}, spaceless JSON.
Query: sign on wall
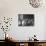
{"x":25,"y":19}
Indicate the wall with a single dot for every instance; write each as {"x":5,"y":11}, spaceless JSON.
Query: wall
{"x":11,"y":8}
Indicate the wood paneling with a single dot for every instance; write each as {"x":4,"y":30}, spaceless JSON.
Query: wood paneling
{"x":25,"y":44}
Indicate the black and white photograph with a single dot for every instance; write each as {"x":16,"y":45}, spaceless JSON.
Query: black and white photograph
{"x":25,"y":19}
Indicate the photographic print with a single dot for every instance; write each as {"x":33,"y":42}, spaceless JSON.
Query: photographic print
{"x":25,"y":19}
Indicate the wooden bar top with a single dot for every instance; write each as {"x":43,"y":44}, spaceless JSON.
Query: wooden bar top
{"x":42,"y":41}
{"x":27,"y":41}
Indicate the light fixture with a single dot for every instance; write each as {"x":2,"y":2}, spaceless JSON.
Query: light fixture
{"x":36,"y":3}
